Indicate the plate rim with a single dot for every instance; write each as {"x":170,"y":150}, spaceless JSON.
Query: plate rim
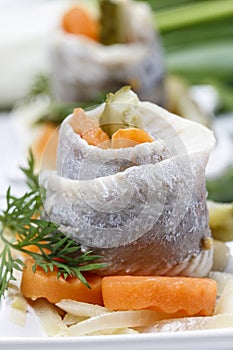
{"x":218,"y":333}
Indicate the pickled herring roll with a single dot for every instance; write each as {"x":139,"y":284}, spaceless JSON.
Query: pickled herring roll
{"x":117,"y":45}
{"x":130,"y":186}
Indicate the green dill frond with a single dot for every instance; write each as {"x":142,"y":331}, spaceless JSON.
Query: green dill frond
{"x":21,"y":226}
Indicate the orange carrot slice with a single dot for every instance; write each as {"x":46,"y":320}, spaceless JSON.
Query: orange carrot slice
{"x":47,"y":285}
{"x":123,"y":138}
{"x":89,"y":129}
{"x":172,"y":295}
{"x":96,"y":137}
{"x":77,"y":20}
{"x":45,"y":147}
{"x":80,"y":122}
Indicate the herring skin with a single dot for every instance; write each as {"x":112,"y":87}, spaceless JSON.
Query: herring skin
{"x":143,"y":209}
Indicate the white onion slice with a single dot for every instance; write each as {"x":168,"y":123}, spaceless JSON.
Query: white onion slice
{"x":221,"y":278}
{"x":117,"y":319}
{"x":190,"y":324}
{"x":70,"y":320}
{"x":81,"y":309}
{"x":225,"y":303}
{"x":18,"y":310}
{"x":50,"y":319}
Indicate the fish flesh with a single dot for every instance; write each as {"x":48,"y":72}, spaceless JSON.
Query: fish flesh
{"x":142,"y":208}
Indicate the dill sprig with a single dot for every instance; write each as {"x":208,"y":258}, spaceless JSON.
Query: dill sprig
{"x":22,"y":227}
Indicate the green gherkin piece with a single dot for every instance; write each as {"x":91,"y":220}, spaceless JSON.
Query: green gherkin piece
{"x":221,"y":220}
{"x":113,"y":22}
{"x":119,"y":112}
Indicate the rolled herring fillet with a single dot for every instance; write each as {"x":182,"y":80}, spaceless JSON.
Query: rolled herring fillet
{"x":82,"y":67}
{"x":142,"y":208}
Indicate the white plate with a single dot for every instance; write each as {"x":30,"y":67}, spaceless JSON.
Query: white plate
{"x":13,"y":337}
{"x":204,"y":340}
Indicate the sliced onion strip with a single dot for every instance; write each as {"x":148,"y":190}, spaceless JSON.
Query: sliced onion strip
{"x":190,"y":324}
{"x":81,"y":309}
{"x":117,"y":319}
{"x":49,"y":318}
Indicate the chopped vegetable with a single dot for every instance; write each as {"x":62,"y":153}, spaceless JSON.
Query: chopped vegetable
{"x":129,"y":137}
{"x":96,"y":137}
{"x":18,"y":310}
{"x":81,"y":309}
{"x":119,"y":112}
{"x":78,"y":20}
{"x":225,"y":303}
{"x":45,"y":147}
{"x":81,"y":123}
{"x":173,"y":295}
{"x":221,"y":256}
{"x":89,"y":129}
{"x":221,"y":278}
{"x":113,"y":22}
{"x":49,"y":318}
{"x":221,"y":220}
{"x":113,"y":320}
{"x":41,"y":284}
{"x":190,"y":324}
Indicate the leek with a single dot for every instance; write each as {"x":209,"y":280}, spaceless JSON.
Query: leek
{"x":197,"y":39}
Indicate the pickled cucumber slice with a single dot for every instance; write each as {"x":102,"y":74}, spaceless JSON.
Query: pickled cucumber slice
{"x":113,"y":21}
{"x":221,"y":220}
{"x":119,"y":112}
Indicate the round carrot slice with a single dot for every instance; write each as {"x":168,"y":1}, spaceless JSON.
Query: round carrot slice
{"x":77,"y":20}
{"x":46,"y":285}
{"x":184,"y":295}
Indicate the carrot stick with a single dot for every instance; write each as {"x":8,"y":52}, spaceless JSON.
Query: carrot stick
{"x":173,"y":295}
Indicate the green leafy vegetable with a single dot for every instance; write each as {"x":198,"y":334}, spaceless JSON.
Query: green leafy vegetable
{"x":220,"y":189}
{"x":21,"y":227}
{"x":197,"y":40}
{"x":193,"y":13}
{"x":58,"y":111}
{"x":40,"y":86}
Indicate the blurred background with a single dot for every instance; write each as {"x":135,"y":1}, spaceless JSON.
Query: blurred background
{"x":53,"y":57}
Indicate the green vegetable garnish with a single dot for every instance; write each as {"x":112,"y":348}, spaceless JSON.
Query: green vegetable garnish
{"x":220,"y":189}
{"x":113,"y":21}
{"x":119,"y":112}
{"x":221,"y":220}
{"x":21,"y":227}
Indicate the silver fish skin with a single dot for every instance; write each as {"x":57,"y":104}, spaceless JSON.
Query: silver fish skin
{"x":143,"y":209}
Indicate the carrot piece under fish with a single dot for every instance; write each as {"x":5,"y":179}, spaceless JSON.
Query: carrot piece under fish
{"x":46,"y":285}
{"x":184,"y":296}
